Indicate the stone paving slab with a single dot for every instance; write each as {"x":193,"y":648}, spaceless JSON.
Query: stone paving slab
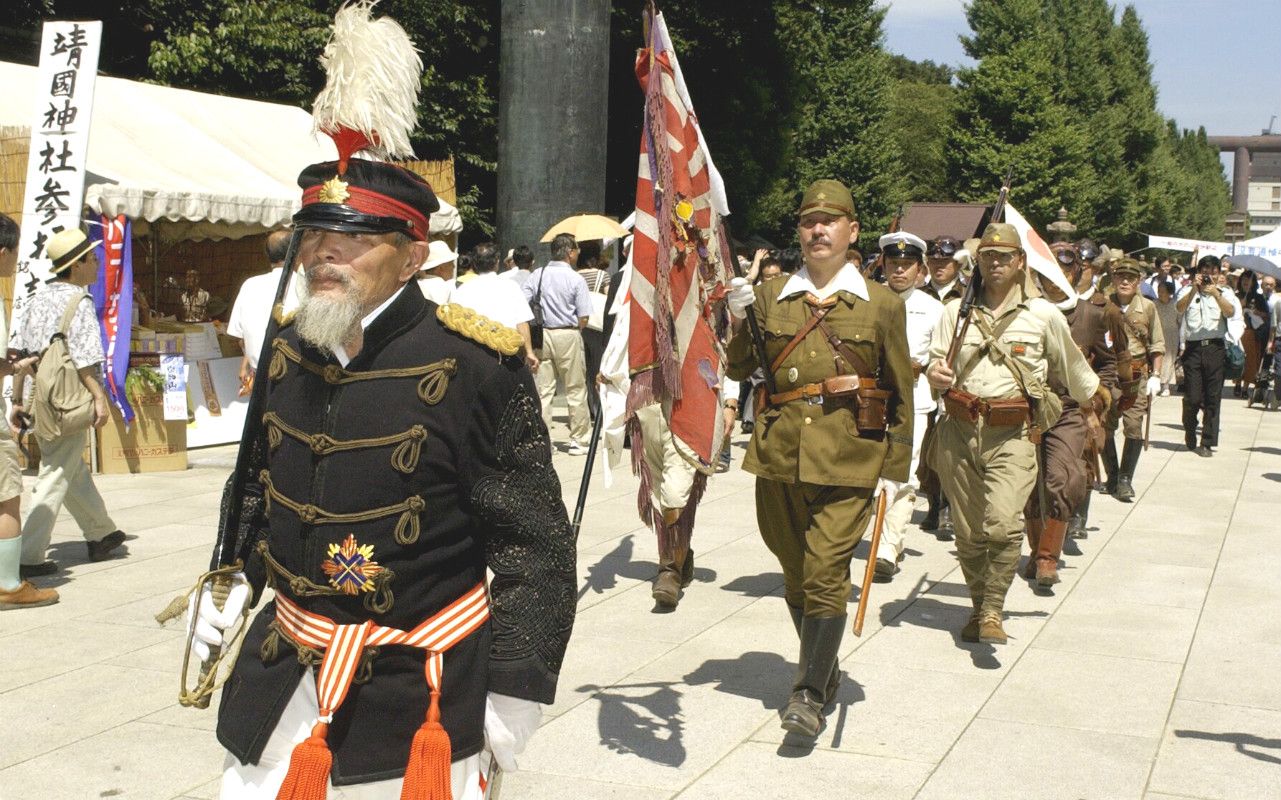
{"x":1149,"y":672}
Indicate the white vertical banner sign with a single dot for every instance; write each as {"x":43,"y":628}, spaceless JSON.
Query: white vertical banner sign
{"x":63,"y":105}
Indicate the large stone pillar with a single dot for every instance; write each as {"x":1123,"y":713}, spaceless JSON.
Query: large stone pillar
{"x":552,"y":115}
{"x":1241,"y":179}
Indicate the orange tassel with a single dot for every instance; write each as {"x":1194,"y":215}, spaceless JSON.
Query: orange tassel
{"x":427,"y":775}
{"x":309,"y":767}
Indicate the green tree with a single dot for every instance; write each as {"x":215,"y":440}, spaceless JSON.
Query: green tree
{"x":270,"y":50}
{"x":840,"y":126}
{"x":1007,"y":113}
{"x":920,"y":118}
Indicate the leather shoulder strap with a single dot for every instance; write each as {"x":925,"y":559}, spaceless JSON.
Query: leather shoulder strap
{"x":816,"y":319}
{"x":857,"y":364}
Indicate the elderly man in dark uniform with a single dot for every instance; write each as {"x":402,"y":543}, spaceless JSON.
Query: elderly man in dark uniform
{"x":838,"y":430}
{"x":404,"y":454}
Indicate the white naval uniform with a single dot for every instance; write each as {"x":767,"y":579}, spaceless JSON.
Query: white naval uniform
{"x":923,"y":315}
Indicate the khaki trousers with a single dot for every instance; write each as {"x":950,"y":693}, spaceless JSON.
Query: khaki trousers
{"x":562,"y":357}
{"x":63,"y":478}
{"x":812,"y":531}
{"x":1132,"y":417}
{"x":671,"y":475}
{"x":987,"y":474}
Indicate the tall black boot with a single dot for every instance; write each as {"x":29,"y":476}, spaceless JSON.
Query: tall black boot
{"x":1080,"y":516}
{"x":931,"y":521}
{"x":1129,"y":460}
{"x":1110,"y":465}
{"x":946,"y":531}
{"x":820,"y":642}
{"x":834,"y":682}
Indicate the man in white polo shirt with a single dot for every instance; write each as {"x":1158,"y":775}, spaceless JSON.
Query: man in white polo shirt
{"x":252,"y":310}
{"x":490,"y":295}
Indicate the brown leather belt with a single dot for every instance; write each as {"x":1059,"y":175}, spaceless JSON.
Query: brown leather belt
{"x":1004,"y":412}
{"x":840,"y":386}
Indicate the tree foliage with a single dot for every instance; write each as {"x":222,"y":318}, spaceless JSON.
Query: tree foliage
{"x":1064,"y":91}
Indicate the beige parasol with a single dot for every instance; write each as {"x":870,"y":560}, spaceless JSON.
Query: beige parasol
{"x":585,"y":228}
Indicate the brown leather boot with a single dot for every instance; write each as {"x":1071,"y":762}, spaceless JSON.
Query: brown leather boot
{"x":669,"y":581}
{"x":1047,"y":554}
{"x":1034,"y":542}
{"x":990,"y":630}
{"x":970,"y":633}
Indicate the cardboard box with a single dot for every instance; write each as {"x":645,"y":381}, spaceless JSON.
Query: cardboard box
{"x":150,"y":444}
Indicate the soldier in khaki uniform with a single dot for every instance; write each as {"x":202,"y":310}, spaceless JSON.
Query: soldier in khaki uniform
{"x":1147,"y":349}
{"x":837,"y":430}
{"x":983,"y":452}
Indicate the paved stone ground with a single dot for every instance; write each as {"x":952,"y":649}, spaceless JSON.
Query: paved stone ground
{"x":1150,"y":672}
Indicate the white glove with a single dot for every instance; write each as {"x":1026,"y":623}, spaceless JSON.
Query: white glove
{"x":740,"y":297}
{"x":209,"y":621}
{"x":1154,"y":386}
{"x":509,"y":722}
{"x":889,"y":487}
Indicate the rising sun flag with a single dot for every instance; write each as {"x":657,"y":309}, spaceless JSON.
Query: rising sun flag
{"x":680,"y":259}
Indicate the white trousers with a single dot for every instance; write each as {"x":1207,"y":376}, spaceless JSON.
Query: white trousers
{"x":898,"y":511}
{"x":64,"y":478}
{"x":262,"y":781}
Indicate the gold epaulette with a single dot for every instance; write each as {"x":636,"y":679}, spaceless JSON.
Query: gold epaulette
{"x":481,"y":329}
{"x":283,"y":320}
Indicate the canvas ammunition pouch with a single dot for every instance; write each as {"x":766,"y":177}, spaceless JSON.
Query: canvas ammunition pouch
{"x":1041,"y":407}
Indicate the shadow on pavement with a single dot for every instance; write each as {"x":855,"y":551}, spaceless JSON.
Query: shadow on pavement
{"x":642,"y":719}
{"x":1242,"y":741}
{"x":762,"y":585}
{"x":617,"y":563}
{"x":1272,"y":451}
{"x":1273,"y":476}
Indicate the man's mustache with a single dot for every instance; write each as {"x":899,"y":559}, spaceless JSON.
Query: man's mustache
{"x":327,"y":272}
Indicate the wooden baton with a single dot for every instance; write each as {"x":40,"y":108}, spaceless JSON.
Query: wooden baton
{"x":882,"y":503}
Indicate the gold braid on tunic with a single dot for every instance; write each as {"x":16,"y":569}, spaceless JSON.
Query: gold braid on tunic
{"x":431,"y":389}
{"x":408,"y":527}
{"x":404,"y":458}
{"x":496,"y":336}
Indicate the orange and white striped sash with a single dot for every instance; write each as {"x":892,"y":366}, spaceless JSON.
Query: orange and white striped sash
{"x":344,"y":644}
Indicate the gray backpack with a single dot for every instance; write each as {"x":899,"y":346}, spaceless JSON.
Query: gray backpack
{"x":60,"y":405}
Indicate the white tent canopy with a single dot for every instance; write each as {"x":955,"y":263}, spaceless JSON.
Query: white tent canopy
{"x":1266,"y":246}
{"x":221,"y":167}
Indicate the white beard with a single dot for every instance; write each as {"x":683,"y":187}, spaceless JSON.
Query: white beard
{"x":329,"y":323}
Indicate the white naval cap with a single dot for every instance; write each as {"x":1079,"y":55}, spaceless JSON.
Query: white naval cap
{"x":902,"y":244}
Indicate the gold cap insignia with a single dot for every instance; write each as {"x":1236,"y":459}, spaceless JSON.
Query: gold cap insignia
{"x":996,"y":237}
{"x":333,"y":191}
{"x":351,"y":567}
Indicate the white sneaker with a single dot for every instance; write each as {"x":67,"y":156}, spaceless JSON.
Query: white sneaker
{"x":576,"y":449}
{"x":1164,"y":392}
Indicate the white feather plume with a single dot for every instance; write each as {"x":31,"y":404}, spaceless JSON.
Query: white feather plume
{"x":373,"y":75}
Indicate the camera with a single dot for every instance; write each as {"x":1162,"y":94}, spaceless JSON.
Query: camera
{"x":1204,"y":280}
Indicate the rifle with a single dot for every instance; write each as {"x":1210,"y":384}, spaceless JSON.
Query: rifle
{"x":232,"y":547}
{"x":975,"y":285}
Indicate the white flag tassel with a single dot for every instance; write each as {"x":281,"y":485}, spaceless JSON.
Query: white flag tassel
{"x":373,"y":76}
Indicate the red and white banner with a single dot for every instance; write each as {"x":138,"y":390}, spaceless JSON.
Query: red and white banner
{"x":681,"y":260}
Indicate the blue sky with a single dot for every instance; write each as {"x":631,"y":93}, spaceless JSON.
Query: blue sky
{"x":1216,"y":64}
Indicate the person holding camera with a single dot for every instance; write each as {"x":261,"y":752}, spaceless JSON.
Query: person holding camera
{"x":1206,"y":309}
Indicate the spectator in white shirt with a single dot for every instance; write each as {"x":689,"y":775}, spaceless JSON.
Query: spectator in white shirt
{"x":436,"y":278}
{"x":252,"y":309}
{"x":500,"y":300}
{"x":522,"y":264}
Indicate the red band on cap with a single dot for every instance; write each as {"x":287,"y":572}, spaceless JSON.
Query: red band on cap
{"x":380,"y":205}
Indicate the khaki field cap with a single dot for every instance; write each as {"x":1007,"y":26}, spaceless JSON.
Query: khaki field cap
{"x":67,"y":247}
{"x":1127,"y":265}
{"x":1000,"y":236}
{"x":829,"y":197}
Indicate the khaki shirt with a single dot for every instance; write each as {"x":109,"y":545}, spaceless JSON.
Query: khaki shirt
{"x":1144,"y":328}
{"x":1038,"y":336}
{"x":821,"y":444}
